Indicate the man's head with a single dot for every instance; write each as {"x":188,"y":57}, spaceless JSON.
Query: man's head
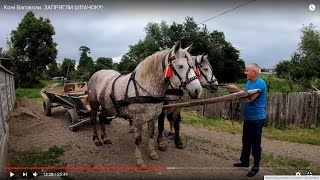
{"x":252,"y":72}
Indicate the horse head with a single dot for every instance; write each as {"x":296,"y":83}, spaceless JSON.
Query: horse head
{"x":205,"y":72}
{"x":180,"y":69}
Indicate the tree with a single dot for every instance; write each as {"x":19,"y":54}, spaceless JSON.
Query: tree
{"x":67,"y":67}
{"x":33,"y":48}
{"x":85,"y":63}
{"x":304,"y":64}
{"x":53,"y":69}
{"x":103,"y":63}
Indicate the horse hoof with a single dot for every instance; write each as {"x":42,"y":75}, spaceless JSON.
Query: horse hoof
{"x":141,"y":164}
{"x":180,"y":146}
{"x":178,"y":143}
{"x":161,"y":144}
{"x":107,"y":141}
{"x":154,"y":156}
{"x":162,"y":148}
{"x":98,"y":143}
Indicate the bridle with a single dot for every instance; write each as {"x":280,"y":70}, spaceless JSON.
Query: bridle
{"x":188,"y":80}
{"x":199,"y":66}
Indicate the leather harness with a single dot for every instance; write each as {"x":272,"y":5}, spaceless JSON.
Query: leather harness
{"x":149,"y":99}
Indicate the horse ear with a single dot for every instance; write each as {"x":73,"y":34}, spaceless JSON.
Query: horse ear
{"x":188,"y":49}
{"x":202,"y":57}
{"x":177,"y":46}
{"x":206,"y":56}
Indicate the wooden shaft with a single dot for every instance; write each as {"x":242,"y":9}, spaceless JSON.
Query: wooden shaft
{"x":229,"y":97}
{"x":85,"y":120}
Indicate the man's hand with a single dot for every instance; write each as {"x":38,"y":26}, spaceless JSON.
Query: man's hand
{"x":233,"y":88}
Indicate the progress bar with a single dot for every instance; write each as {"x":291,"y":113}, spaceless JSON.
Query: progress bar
{"x":84,"y":168}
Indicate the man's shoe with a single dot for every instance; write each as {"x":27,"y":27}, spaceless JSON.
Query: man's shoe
{"x":240,"y":165}
{"x":252,"y":173}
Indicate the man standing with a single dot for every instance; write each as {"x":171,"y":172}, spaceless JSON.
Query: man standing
{"x":254,"y":119}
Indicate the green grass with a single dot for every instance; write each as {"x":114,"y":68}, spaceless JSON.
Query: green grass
{"x":220,"y":125}
{"x":37,"y":158}
{"x":34,"y":92}
{"x":30,"y":93}
{"x":288,"y":166}
{"x":291,"y":134}
{"x":294,"y":134}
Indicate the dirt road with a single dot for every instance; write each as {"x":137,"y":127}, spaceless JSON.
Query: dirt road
{"x":208,"y":154}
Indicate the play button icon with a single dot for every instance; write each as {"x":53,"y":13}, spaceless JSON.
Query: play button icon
{"x":11,"y":174}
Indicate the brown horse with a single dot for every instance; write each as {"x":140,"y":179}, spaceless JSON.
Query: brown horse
{"x":139,"y":95}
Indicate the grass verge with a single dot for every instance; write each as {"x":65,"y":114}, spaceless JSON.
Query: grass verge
{"x":34,"y":92}
{"x":291,"y":134}
{"x":37,"y":158}
{"x":288,"y":166}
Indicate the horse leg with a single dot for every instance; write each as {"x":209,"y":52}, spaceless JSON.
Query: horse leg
{"x":153,"y":153}
{"x":177,"y":140}
{"x":93,"y":116}
{"x":161,"y":141}
{"x":104,"y":137}
{"x":137,"y":137}
{"x":131,"y":128}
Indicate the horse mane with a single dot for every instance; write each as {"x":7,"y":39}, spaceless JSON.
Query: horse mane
{"x":151,"y":64}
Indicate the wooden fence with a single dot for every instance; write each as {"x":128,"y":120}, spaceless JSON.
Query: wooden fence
{"x":7,"y":101}
{"x":300,"y":109}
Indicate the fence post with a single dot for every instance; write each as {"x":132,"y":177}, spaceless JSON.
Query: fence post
{"x":6,"y":87}
{"x":1,"y":110}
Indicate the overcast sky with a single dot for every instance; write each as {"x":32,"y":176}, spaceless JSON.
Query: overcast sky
{"x":265,"y":32}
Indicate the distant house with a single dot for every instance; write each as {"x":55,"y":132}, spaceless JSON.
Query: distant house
{"x":260,"y":69}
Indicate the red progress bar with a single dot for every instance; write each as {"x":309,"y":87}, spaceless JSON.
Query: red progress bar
{"x":81,"y":168}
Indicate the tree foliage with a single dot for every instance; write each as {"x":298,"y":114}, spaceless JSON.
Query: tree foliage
{"x":304,"y":64}
{"x":224,"y":57}
{"x":33,"y":48}
{"x":53,"y":69}
{"x":86,"y":64}
{"x":103,"y":63}
{"x":67,"y":67}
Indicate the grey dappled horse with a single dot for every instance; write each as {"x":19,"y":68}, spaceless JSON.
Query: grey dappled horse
{"x":207,"y":80}
{"x":117,"y":94}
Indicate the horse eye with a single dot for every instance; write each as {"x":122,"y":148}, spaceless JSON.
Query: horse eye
{"x":205,"y":69}
{"x":180,"y":66}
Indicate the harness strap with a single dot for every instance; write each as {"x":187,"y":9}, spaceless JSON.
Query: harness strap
{"x":112,"y":97}
{"x":132,"y":100}
{"x":177,"y":92}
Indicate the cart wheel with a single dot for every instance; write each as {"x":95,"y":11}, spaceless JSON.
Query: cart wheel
{"x":73,"y":119}
{"x":47,"y":107}
{"x":105,"y":120}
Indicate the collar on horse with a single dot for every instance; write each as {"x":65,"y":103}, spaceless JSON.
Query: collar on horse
{"x":199,"y":66}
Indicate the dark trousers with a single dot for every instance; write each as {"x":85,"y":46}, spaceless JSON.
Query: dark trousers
{"x":251,"y":139}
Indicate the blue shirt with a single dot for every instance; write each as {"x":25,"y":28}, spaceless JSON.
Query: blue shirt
{"x":255,"y":110}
